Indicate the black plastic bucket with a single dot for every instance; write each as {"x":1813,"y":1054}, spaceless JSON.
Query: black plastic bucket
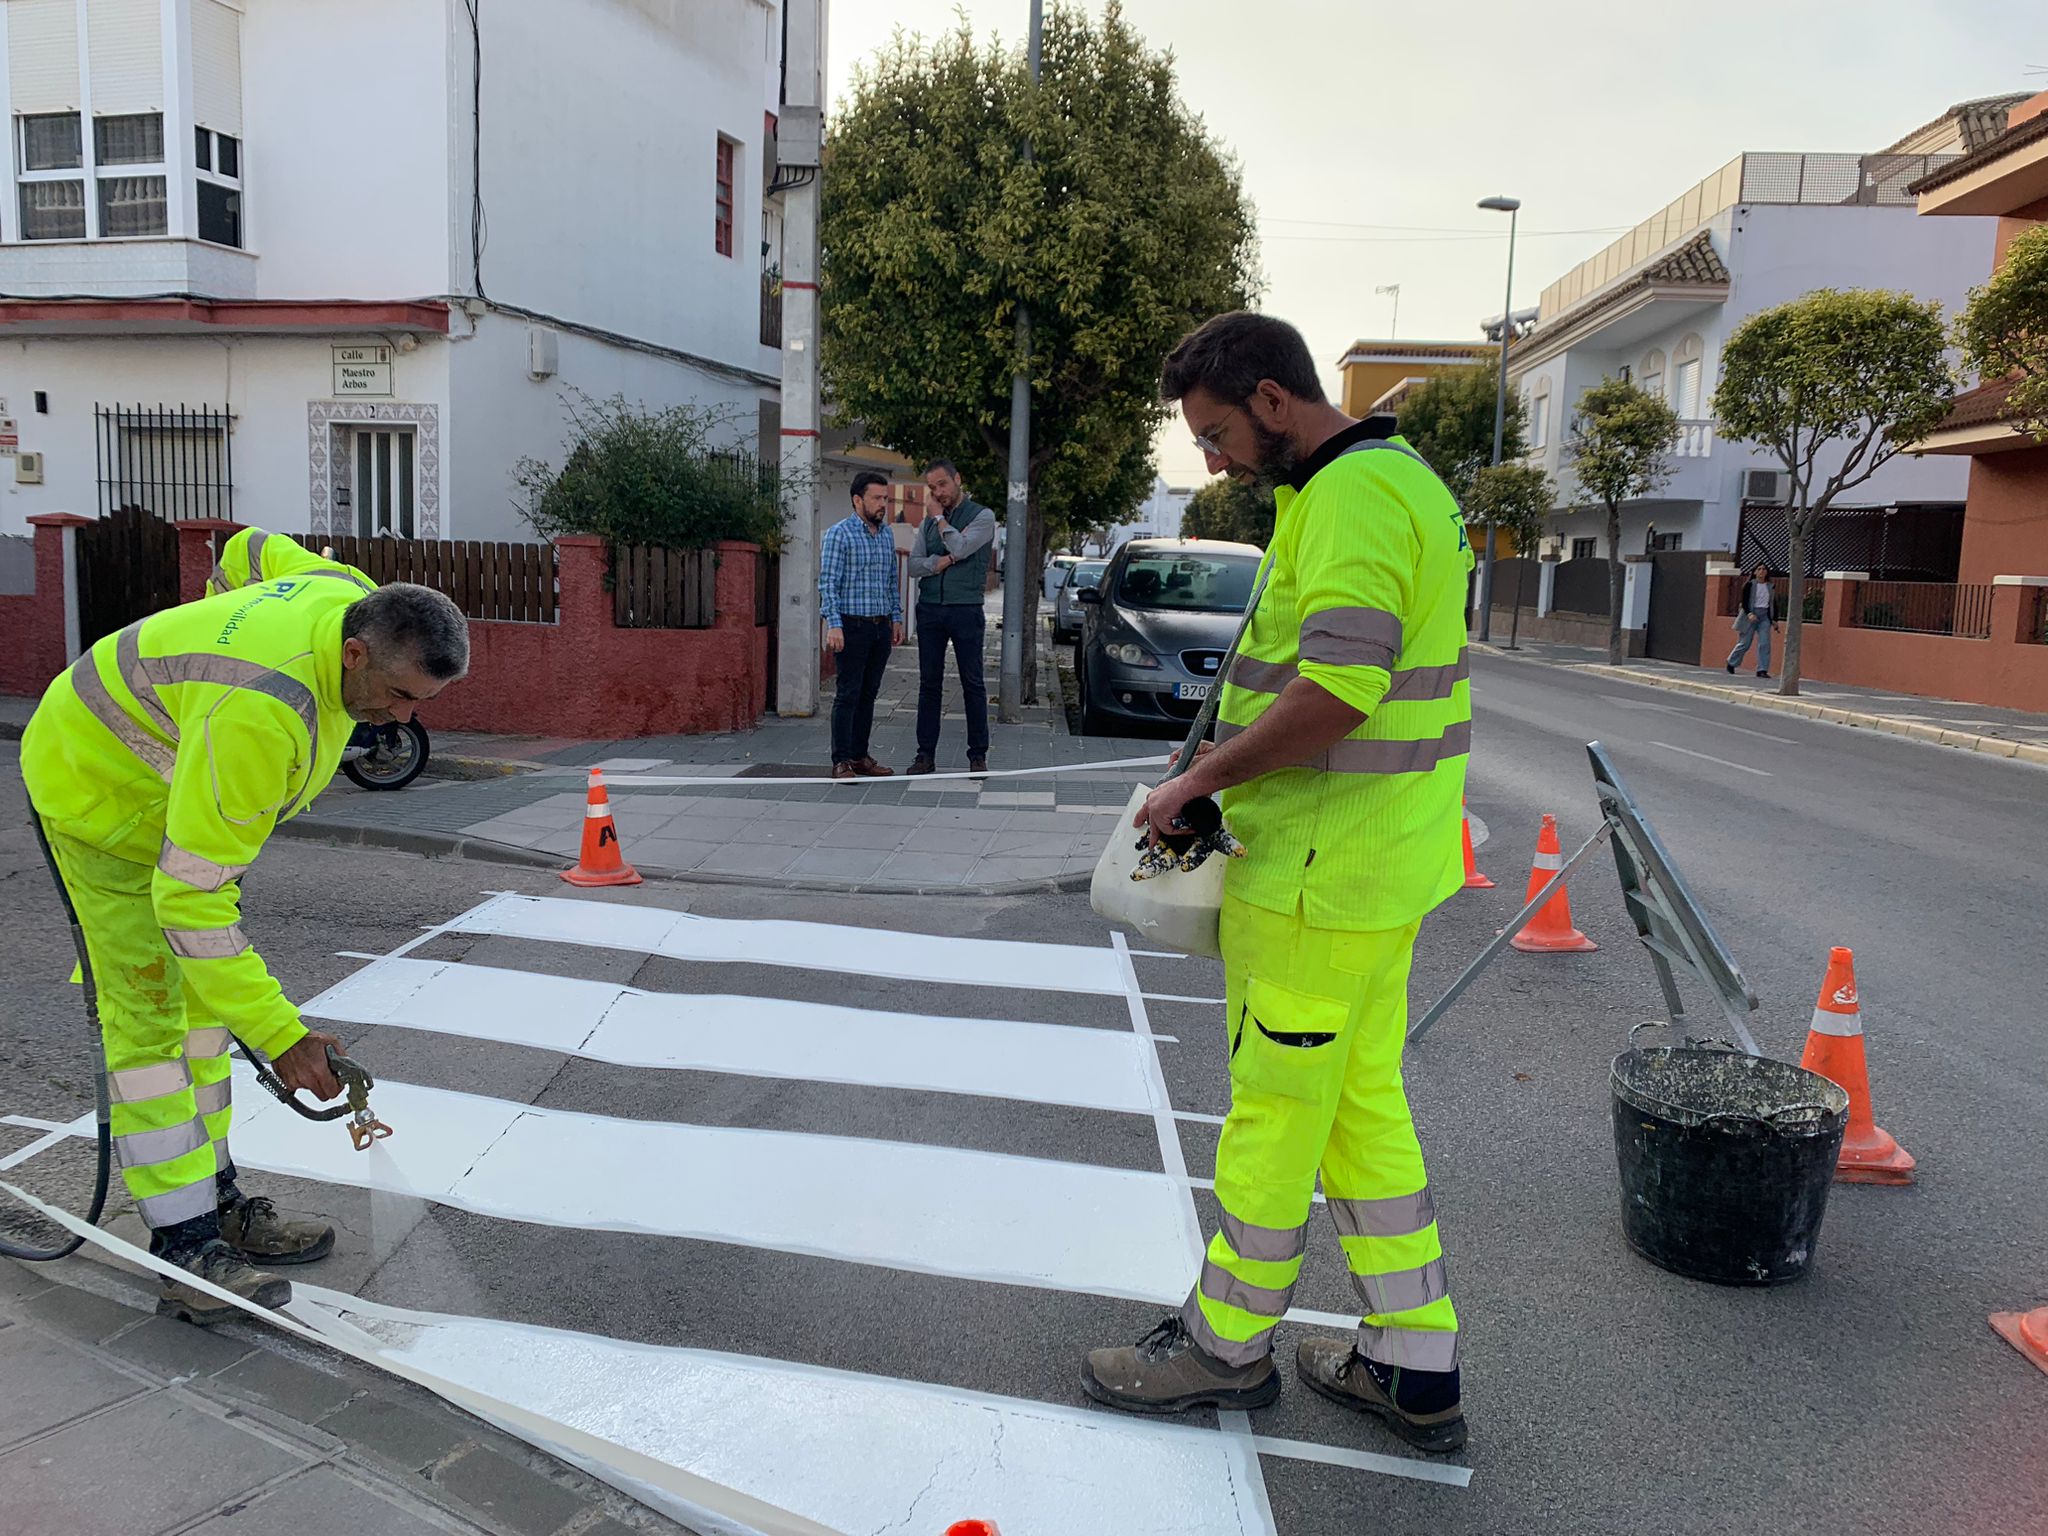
{"x":1726,"y":1161}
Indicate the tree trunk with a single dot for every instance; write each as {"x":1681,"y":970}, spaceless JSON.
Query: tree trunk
{"x":1614,"y":584}
{"x":1515,"y":621}
{"x":1795,"y":611}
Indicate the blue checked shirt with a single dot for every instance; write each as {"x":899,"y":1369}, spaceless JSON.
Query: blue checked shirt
{"x":857,"y":572}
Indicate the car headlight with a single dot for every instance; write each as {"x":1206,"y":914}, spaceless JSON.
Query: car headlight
{"x":1131,"y":655}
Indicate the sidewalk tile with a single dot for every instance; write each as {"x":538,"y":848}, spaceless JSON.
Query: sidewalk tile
{"x":395,"y":1432}
{"x":67,"y":1384}
{"x":1034,"y":821}
{"x":821,"y":813}
{"x":519,"y":1497}
{"x":712,"y":829}
{"x":319,"y":1502}
{"x":857,"y":834}
{"x":166,"y":1347}
{"x":968,"y":840}
{"x":839,"y":864}
{"x":80,"y":1314}
{"x":748,"y":859}
{"x":672,"y":853}
{"x":295,"y":1390}
{"x":20,"y":1281}
{"x":929,"y":868}
{"x":149,"y":1465}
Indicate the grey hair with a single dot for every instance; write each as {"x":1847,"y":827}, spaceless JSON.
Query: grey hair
{"x":415,"y":621}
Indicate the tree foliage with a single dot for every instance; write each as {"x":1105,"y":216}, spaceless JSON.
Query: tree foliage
{"x":1834,"y":385}
{"x":1124,"y":228}
{"x":1224,"y":509}
{"x":1448,"y":419}
{"x":1516,"y":499}
{"x":1621,"y":439}
{"x":667,"y":477}
{"x":2004,"y":330}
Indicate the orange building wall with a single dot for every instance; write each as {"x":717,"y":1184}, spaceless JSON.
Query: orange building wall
{"x":2005,"y":529}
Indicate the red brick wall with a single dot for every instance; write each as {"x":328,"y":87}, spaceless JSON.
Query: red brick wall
{"x":32,"y":625}
{"x":2005,"y":527}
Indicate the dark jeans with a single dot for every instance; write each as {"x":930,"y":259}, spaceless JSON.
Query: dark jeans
{"x":961,"y":625}
{"x":861,"y":665}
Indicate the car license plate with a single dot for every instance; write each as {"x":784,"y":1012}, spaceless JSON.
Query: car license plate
{"x":1191,"y":690}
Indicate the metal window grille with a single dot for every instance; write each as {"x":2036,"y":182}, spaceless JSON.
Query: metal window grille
{"x":172,"y":462}
{"x":722,"y":218}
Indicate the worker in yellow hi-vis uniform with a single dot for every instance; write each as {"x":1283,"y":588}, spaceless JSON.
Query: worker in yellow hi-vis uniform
{"x":158,"y":765}
{"x":1340,"y":753}
{"x":255,"y":555}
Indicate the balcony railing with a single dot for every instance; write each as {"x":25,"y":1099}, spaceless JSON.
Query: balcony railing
{"x":771,"y":309}
{"x":1695,"y":440}
{"x":1925,"y":607}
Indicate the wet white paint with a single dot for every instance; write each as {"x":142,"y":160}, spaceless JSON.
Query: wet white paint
{"x":752,"y":1036}
{"x":863,"y":1454}
{"x":930,"y":957}
{"x":937,"y":1210}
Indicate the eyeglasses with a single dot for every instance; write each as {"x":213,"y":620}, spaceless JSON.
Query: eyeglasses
{"x":1206,"y":441}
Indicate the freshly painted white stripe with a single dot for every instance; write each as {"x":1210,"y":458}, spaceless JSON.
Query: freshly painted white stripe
{"x":935,"y":1210}
{"x":923,"y":957}
{"x":751,"y":1036}
{"x":1172,"y":1159}
{"x":1707,"y":757}
{"x":1842,"y":1024}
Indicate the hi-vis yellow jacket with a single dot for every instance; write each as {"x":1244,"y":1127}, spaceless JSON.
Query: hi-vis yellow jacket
{"x":181,"y":742}
{"x":256,"y":554}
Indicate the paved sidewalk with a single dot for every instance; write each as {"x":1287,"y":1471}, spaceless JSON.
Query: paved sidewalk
{"x":1986,"y":728}
{"x":116,"y":1422}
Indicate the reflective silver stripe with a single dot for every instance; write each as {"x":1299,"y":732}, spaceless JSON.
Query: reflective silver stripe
{"x":1412,"y":683}
{"x":92,"y":692}
{"x":176,"y":1205}
{"x":217,"y":579}
{"x":257,"y":539}
{"x":128,"y":662}
{"x":206,"y":943}
{"x":1239,"y":1352}
{"x":1404,"y":1289}
{"x":212,"y":1098}
{"x":139,"y":1149}
{"x":1351,"y":637}
{"x":1225,"y":730}
{"x":1420,"y":1349}
{"x":348,"y":576}
{"x":137,"y":1085}
{"x":1396,"y":756}
{"x":203,"y":1043}
{"x":232,"y":672}
{"x":1219,"y":1284}
{"x":1268,"y":1245}
{"x":1396,"y":1216}
{"x":200,"y":874}
{"x":1261,"y":676}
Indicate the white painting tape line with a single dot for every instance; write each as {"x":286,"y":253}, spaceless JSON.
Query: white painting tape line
{"x":84,"y":1125}
{"x":847,"y":1446}
{"x":1450,"y":1474}
{"x":927,"y":957}
{"x":1195,"y":1119}
{"x":1175,"y":997}
{"x":820,"y":781}
{"x":37,"y":1123}
{"x":966,"y":1214}
{"x":621,"y":1464}
{"x":1075,"y":1067}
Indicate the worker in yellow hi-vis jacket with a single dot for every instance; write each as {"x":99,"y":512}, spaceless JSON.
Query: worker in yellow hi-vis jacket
{"x":158,"y":765}
{"x":255,"y":555}
{"x":1340,"y":754}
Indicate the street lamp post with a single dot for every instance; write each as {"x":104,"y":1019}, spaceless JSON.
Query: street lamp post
{"x":1511,"y":207}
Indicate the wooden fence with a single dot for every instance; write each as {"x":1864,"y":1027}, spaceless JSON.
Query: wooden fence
{"x":487,"y":581}
{"x":658,"y":588}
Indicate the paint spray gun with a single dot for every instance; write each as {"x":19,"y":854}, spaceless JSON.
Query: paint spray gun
{"x":363,"y":1125}
{"x":1197,"y":832}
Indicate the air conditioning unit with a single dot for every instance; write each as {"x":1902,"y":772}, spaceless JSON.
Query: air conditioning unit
{"x":1765,"y":485}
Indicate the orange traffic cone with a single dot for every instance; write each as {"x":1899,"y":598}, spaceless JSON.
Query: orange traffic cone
{"x":1550,"y":931}
{"x":1834,"y":1049}
{"x":1474,"y":881}
{"x":602,"y":861}
{"x":2026,"y":1332}
{"x":973,"y":1528}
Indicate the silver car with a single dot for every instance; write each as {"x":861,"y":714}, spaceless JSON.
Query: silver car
{"x":1159,"y":620}
{"x":1067,"y":611}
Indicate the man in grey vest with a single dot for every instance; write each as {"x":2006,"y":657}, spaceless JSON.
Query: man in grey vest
{"x":950,"y":561}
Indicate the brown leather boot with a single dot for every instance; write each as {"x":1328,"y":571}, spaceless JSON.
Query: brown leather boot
{"x":1168,"y":1372}
{"x":217,"y":1262}
{"x":253,"y":1229}
{"x":1333,"y":1368}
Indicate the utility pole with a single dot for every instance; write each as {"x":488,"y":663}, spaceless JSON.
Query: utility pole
{"x":799,"y":150}
{"x":1512,"y":208}
{"x":1017,"y":507}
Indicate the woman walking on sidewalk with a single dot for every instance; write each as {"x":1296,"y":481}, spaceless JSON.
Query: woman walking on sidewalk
{"x":1755,"y":612}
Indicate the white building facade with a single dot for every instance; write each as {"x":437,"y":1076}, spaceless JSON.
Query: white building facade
{"x":373,"y":247}
{"x":1658,"y":305}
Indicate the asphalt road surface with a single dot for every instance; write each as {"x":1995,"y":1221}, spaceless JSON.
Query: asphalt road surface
{"x":1604,"y":1394}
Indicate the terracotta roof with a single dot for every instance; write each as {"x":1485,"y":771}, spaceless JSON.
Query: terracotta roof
{"x":1978,"y":122}
{"x":1695,"y":264}
{"x":2032,"y":131}
{"x":1980,"y":407}
{"x":1399,"y":349}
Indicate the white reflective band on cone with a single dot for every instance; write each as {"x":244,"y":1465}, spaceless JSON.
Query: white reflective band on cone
{"x":717,"y":1508}
{"x":596,"y":812}
{"x":1825,"y":1023}
{"x":1549,"y":861}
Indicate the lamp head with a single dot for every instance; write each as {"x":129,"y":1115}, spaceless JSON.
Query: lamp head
{"x":1500,"y":204}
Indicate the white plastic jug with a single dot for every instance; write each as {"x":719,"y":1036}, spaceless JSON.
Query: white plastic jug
{"x":1176,"y":910}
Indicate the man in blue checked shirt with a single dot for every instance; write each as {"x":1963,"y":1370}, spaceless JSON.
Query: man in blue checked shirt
{"x":863,"y":608}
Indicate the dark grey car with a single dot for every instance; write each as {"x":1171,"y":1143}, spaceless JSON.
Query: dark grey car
{"x":1158,"y":623}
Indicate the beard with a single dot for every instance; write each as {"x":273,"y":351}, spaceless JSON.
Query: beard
{"x":1278,"y":458}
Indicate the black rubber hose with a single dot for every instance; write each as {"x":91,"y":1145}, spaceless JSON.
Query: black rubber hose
{"x":104,"y":1171}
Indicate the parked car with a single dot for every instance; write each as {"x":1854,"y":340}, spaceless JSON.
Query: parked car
{"x":1067,"y":611}
{"x":1056,"y":570}
{"x":1158,"y":623}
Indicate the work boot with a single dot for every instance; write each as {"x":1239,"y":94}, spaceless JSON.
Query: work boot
{"x":1167,"y":1372}
{"x":977,"y":762}
{"x":1422,"y":1407}
{"x":923,"y":763}
{"x":217,"y":1262}
{"x":253,"y":1229}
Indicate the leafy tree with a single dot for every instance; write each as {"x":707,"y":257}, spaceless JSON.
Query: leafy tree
{"x":1517,"y":500}
{"x":1448,"y":419}
{"x":1124,"y":229}
{"x":1620,"y":437}
{"x":1224,"y":509}
{"x":653,"y":477}
{"x":1849,"y":378}
{"x":2004,"y":331}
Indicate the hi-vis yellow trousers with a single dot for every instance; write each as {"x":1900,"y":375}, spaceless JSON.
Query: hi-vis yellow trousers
{"x":1316,"y":1023}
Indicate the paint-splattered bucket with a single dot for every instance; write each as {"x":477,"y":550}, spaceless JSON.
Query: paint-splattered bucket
{"x":1726,"y":1161}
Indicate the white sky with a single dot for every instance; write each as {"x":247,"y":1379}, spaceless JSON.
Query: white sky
{"x":1599,"y":113}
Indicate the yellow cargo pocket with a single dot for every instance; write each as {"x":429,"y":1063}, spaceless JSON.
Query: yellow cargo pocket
{"x":1288,"y":1042}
